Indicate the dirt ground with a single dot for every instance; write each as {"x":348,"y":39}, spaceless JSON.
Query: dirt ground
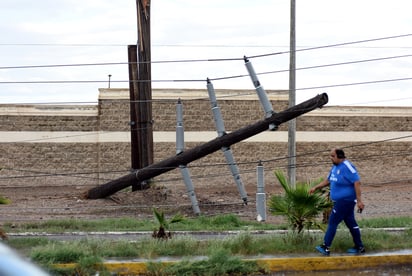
{"x":63,"y":202}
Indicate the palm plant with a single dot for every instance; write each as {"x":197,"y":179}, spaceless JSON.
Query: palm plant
{"x":164,"y":224}
{"x":298,"y":205}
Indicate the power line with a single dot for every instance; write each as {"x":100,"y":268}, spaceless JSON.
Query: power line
{"x":35,"y":174}
{"x":206,"y":45}
{"x":189,"y":45}
{"x":380,"y":101}
{"x":337,"y":64}
{"x":221,"y":165}
{"x":233,"y":77}
{"x":220,"y":78}
{"x":202,"y":80}
{"x":93,"y":103}
{"x":355,"y":42}
{"x":355,"y":83}
{"x":209,"y":59}
{"x":64,"y":65}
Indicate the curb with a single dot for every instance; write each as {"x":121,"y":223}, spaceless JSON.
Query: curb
{"x":334,"y":263}
{"x":298,"y":264}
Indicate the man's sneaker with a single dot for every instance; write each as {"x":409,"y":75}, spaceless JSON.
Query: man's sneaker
{"x":356,"y":250}
{"x":323,"y":249}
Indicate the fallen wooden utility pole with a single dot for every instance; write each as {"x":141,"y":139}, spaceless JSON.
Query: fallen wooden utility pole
{"x":202,"y":150}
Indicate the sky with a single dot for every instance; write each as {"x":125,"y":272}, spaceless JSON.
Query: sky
{"x":359,"y":52}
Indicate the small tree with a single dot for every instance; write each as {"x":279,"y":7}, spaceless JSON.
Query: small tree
{"x":164,"y":224}
{"x":299,"y":206}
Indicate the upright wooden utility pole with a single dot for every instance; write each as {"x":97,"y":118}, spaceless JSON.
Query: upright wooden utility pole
{"x":134,"y":141}
{"x":292,"y":97}
{"x":141,"y":93}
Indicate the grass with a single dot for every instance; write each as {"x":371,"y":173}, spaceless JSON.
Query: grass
{"x":89,"y":253}
{"x":201,"y":223}
{"x":244,"y":244}
{"x":391,"y":222}
{"x":86,"y":251}
{"x":73,"y":225}
{"x":220,"y":262}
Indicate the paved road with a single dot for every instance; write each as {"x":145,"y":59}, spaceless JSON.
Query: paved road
{"x":133,"y":235}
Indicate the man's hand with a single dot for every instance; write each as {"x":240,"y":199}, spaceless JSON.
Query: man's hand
{"x":361,"y":206}
{"x":311,"y":191}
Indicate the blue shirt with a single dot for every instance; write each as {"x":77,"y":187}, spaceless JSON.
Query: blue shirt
{"x":342,"y":178}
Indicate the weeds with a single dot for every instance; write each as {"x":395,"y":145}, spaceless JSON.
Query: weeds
{"x":89,"y":253}
{"x":204,"y":223}
{"x":164,"y":224}
{"x":221,"y":262}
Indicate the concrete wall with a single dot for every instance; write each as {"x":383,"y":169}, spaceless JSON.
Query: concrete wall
{"x":85,"y":146}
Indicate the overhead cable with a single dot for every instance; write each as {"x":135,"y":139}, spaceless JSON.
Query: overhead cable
{"x":208,"y":59}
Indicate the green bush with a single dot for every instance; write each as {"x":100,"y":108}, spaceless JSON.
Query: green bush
{"x":298,"y":205}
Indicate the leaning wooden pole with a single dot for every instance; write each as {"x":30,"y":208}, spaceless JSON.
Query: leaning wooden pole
{"x":202,"y":150}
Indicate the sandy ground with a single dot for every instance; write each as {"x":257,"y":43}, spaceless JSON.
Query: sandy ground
{"x":63,"y":202}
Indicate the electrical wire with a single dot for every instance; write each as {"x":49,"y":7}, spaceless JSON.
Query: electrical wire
{"x":311,"y":153}
{"x":355,"y":83}
{"x":35,"y":174}
{"x":336,"y":64}
{"x":223,"y":78}
{"x":238,"y":76}
{"x":62,"y":137}
{"x":232,"y":77}
{"x":187,"y":45}
{"x":341,"y":44}
{"x":133,"y":129}
{"x":136,"y":129}
{"x":208,"y":59}
{"x":202,"y":80}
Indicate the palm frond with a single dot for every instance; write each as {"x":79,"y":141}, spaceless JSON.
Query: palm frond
{"x":177,"y":218}
{"x":278,"y":205}
{"x":160,"y":217}
{"x":283,"y":181}
{"x":298,"y":205}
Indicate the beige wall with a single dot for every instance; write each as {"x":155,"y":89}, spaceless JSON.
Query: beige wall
{"x":87,"y":145}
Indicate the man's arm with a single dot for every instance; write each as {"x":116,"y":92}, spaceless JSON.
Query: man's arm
{"x":322,"y":184}
{"x":358,"y":192}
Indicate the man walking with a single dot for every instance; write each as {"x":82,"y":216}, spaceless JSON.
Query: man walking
{"x":345,"y":192}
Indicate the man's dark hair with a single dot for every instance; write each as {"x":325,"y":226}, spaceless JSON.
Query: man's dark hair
{"x":340,"y":153}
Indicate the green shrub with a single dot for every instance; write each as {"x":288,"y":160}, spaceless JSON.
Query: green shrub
{"x":298,"y":205}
